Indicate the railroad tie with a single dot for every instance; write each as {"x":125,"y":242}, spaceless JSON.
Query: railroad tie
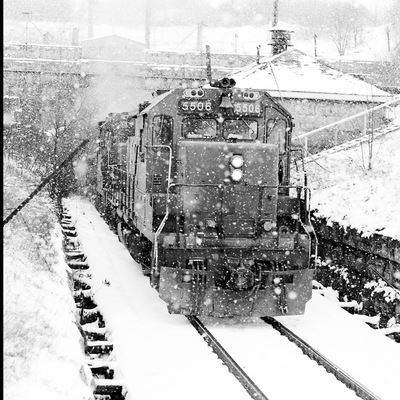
{"x":93,"y":347}
{"x":96,"y":334}
{"x":109,"y":387}
{"x":76,"y":264}
{"x":89,"y":316}
{"x":83,"y":301}
{"x":97,"y":345}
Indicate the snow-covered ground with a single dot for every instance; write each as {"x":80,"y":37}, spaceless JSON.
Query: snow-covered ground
{"x":43,"y":353}
{"x":273,"y":362}
{"x":364,"y":353}
{"x":162,"y":355}
{"x":348,"y":192}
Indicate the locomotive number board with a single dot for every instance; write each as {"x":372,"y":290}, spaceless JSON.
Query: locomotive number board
{"x":248,"y":108}
{"x":196,"y":106}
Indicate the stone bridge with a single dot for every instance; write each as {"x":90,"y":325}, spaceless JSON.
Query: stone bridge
{"x":45,"y":64}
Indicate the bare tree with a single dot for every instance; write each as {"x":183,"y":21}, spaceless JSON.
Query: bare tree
{"x":341,"y":27}
{"x":55,"y":116}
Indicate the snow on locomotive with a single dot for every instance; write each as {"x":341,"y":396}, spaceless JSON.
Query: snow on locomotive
{"x":197,"y":185}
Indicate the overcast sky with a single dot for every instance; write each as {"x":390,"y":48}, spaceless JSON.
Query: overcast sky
{"x":372,"y":4}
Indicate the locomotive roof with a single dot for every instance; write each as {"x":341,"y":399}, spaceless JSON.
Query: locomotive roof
{"x":162,"y":96}
{"x":155,"y":101}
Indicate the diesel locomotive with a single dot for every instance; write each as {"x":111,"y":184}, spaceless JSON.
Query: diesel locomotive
{"x":197,"y":185}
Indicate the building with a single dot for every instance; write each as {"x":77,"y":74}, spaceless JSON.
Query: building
{"x":315,"y":94}
{"x":112,"y":47}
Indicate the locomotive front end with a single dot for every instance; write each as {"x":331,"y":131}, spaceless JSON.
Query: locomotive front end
{"x":242,"y":240}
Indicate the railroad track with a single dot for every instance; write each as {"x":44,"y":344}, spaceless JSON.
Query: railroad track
{"x":360,"y":390}
{"x":232,"y":365}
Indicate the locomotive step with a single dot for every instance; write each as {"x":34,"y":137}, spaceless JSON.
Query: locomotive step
{"x":98,"y":347}
{"x":110,"y":387}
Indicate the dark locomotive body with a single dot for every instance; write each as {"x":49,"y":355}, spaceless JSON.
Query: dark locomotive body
{"x":197,"y":186}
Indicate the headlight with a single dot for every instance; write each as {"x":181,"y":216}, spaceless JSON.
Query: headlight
{"x":186,"y":277}
{"x":237,"y":161}
{"x":237,"y":175}
{"x":268,"y":225}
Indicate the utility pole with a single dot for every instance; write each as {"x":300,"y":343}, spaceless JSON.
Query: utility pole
{"x":90,"y":19}
{"x":148,"y":23}
{"x":236,"y":43}
{"x":200,"y":26}
{"x":388,"y":38}
{"x":45,"y":181}
{"x":315,"y":44}
{"x":276,"y":12}
{"x":27,"y":14}
{"x":208,"y":63}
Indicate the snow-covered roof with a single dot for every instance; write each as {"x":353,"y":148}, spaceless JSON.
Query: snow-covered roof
{"x":294,"y":74}
{"x":155,"y":101}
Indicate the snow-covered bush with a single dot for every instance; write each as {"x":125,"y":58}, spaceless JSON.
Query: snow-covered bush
{"x":43,"y":357}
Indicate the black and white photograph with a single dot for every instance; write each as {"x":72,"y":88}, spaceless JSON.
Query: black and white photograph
{"x":201,"y":199}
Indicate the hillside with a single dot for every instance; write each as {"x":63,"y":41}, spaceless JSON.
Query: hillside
{"x":43,"y":357}
{"x":348,"y":192}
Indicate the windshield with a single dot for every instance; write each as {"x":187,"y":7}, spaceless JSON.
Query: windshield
{"x":240,"y":129}
{"x":194,"y":128}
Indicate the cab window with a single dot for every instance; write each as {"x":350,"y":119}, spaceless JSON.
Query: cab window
{"x":162,"y":130}
{"x":242,"y":129}
{"x":196,"y":128}
{"x":276,"y":133}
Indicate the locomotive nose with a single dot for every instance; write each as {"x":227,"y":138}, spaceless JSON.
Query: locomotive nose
{"x":243,"y":163}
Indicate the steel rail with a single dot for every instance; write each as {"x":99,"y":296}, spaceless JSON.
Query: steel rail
{"x":251,"y":388}
{"x":359,"y":389}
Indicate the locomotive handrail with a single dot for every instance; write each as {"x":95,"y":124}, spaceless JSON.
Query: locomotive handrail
{"x":220,"y":185}
{"x":307,"y":194}
{"x":164,"y":220}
